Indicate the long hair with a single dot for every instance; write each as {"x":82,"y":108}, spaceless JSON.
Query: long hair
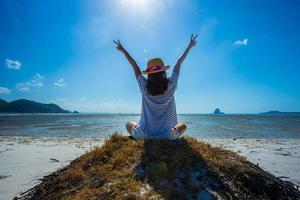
{"x":157,"y":83}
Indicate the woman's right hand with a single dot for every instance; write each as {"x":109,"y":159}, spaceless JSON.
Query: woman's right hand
{"x":193,"y":41}
{"x":119,"y":46}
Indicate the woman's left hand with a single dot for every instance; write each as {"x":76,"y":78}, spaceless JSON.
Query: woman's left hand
{"x":193,"y":41}
{"x":119,"y":46}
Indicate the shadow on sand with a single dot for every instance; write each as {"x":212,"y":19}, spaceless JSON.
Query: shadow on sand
{"x":179,"y":170}
{"x":176,"y":171}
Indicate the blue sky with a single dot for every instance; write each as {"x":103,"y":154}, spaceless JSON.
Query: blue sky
{"x":246,"y":60}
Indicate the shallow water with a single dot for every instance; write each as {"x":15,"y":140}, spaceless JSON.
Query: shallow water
{"x":200,"y":126}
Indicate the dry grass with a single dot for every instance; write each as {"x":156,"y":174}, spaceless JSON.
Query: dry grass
{"x":126,"y":169}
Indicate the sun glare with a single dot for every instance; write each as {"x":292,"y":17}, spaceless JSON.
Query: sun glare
{"x":137,"y":2}
{"x":136,"y":5}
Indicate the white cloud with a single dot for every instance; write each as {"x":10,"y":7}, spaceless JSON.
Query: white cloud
{"x":35,"y":82}
{"x":22,"y":87}
{"x":13,"y":64}
{"x":243,"y":42}
{"x":60,"y":83}
{"x":4,"y":90}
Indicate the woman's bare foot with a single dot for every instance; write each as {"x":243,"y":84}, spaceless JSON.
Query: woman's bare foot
{"x":178,"y":130}
{"x":181,"y":127}
{"x":130,"y":125}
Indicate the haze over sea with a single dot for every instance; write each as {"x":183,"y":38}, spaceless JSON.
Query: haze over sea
{"x":199,"y":126}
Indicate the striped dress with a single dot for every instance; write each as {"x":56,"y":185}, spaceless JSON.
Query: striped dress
{"x":158,"y":114}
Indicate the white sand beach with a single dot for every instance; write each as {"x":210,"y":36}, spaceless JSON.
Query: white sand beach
{"x":25,"y":160}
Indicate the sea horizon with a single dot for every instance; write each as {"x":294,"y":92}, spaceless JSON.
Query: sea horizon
{"x":116,"y":113}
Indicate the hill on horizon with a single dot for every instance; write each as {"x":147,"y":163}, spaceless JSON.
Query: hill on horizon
{"x":276,"y":112}
{"x":28,"y":106}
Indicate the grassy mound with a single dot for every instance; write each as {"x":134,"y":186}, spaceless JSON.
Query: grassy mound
{"x":185,"y":169}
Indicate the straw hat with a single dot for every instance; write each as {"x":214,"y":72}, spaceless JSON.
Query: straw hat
{"x":155,"y":65}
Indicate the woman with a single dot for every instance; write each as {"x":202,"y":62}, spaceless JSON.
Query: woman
{"x":158,"y":115}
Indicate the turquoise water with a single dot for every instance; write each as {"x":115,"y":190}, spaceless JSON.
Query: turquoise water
{"x":200,"y":126}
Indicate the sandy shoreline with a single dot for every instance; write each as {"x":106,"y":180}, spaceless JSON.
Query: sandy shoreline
{"x":24,"y":160}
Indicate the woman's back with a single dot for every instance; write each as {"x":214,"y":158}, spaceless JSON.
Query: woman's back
{"x":158,"y":114}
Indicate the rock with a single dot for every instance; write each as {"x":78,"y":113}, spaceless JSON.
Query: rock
{"x":54,"y":160}
{"x":4,"y":176}
{"x":218,"y":112}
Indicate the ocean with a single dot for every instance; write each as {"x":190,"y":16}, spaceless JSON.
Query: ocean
{"x":199,"y":126}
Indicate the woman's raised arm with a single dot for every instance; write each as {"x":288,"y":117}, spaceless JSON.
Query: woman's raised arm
{"x":136,"y":68}
{"x":192,"y":43}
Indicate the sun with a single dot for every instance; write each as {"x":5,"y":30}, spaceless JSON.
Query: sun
{"x":138,"y":2}
{"x":135,"y":5}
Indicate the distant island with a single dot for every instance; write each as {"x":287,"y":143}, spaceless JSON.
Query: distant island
{"x":218,"y":112}
{"x":275,"y":112}
{"x":27,"y":106}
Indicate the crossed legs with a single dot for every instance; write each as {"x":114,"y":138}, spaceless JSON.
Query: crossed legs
{"x":180,"y":128}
